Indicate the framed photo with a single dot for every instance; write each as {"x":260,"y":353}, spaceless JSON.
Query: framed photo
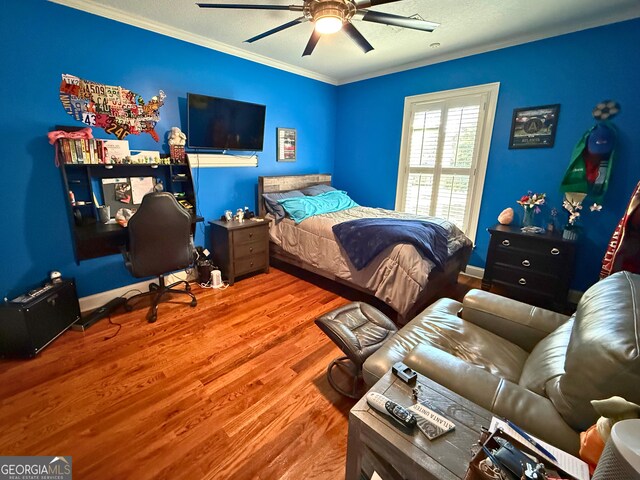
{"x":534,"y":127}
{"x":286,"y":142}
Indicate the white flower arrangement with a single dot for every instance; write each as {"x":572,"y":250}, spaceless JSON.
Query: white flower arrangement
{"x":572,"y":203}
{"x":573,"y":207}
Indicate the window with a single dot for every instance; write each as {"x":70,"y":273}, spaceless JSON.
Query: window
{"x":443,"y":158}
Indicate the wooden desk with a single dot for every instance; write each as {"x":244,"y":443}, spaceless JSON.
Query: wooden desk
{"x":375,"y":444}
{"x":95,"y":239}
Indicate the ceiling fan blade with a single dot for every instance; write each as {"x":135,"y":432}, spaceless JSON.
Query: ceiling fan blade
{"x":396,"y":20}
{"x":313,"y":41}
{"x":372,"y":3}
{"x":292,"y":23}
{"x":293,"y":8}
{"x":357,"y":37}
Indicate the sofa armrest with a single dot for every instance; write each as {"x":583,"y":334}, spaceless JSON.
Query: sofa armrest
{"x":520,"y":323}
{"x":467,"y":380}
{"x":534,"y":413}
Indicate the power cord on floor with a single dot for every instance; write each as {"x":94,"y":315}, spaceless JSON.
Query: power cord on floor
{"x":222,"y":286}
{"x":111,"y":322}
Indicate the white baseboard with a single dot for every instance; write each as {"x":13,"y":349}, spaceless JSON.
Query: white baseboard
{"x":92,"y":302}
{"x":477,"y":272}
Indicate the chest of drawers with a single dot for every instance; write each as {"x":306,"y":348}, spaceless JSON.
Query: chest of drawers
{"x":533,"y":268}
{"x":240,"y":248}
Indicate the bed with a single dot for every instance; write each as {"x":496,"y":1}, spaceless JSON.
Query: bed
{"x":399,"y":276}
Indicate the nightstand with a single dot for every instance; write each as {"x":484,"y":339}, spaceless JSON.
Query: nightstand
{"x":240,"y":248}
{"x":533,"y":268}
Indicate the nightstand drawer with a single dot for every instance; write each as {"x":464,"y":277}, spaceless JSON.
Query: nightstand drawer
{"x":543,"y":284}
{"x":532,"y":261}
{"x":530,"y":244}
{"x":247,"y":249}
{"x":250,"y":235}
{"x":250,"y":263}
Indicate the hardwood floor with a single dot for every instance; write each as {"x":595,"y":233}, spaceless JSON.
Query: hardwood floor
{"x":232,"y":389}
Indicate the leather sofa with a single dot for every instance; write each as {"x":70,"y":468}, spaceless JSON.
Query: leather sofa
{"x":538,"y":368}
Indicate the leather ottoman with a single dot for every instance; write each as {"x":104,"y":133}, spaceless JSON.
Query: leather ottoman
{"x":358,"y":329}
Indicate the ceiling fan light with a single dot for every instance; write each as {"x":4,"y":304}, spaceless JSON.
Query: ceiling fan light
{"x":328,"y":25}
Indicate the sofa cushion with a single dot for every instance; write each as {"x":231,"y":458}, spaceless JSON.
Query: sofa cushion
{"x":603,"y":357}
{"x":547,"y":359}
{"x":440,"y":327}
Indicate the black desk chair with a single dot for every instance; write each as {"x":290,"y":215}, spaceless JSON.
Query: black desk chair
{"x":159,"y":242}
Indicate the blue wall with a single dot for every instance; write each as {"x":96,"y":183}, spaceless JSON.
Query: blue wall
{"x":49,"y":40}
{"x":576,"y":70}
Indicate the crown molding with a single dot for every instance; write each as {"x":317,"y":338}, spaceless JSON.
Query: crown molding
{"x":521,"y":40}
{"x":163,"y":29}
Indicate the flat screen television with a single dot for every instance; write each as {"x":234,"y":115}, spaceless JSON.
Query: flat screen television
{"x":221,"y":124}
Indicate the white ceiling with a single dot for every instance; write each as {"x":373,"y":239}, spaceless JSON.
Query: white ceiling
{"x":467,"y":27}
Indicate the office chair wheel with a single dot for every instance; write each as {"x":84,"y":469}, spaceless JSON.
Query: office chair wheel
{"x":193,"y":303}
{"x":152,"y":318}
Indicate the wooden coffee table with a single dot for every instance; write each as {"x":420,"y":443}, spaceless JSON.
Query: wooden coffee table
{"x":375,"y":444}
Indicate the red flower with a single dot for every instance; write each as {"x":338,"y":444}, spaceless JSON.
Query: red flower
{"x":524,"y":199}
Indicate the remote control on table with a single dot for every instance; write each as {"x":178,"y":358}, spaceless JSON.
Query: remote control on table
{"x":401,"y":415}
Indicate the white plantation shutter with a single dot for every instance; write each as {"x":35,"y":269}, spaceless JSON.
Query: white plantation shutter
{"x":438,"y":165}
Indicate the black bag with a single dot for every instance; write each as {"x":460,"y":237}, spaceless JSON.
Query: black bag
{"x":512,"y":459}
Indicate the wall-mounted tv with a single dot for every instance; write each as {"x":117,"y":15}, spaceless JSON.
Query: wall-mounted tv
{"x":222,"y":124}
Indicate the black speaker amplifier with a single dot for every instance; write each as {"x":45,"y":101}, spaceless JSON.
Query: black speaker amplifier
{"x":33,"y":320}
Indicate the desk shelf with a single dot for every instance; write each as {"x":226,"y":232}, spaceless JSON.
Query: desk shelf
{"x":92,"y":239}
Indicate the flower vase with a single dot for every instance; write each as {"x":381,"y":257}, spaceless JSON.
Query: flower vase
{"x":529,"y":217}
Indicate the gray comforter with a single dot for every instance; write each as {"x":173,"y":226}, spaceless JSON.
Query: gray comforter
{"x":396,"y":276}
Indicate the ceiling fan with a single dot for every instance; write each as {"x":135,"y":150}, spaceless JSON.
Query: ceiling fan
{"x":330,"y":16}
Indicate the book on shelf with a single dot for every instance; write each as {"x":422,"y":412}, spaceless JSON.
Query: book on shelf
{"x":79,"y":157}
{"x":85,"y":153}
{"x":66,"y":150}
{"x":100,"y":150}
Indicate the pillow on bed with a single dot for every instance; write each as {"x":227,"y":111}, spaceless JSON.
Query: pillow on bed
{"x":272,"y":205}
{"x":300,"y":208}
{"x":314,"y":190}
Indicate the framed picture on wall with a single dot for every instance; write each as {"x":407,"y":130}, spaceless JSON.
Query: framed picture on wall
{"x":286,"y":143}
{"x":534,"y":127}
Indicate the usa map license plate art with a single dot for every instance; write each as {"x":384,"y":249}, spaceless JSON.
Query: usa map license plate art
{"x":115,"y":109}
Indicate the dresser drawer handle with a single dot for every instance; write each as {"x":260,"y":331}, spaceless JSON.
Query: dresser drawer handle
{"x":522,"y":281}
{"x":526,"y":263}
{"x":250,"y":249}
{"x":506,"y":243}
{"x":251,"y":264}
{"x":555,"y":251}
{"x":250,"y":235}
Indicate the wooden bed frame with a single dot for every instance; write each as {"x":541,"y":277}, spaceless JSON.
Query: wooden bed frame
{"x":438,"y":281}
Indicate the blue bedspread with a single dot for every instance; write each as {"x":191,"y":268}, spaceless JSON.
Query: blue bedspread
{"x":365,"y":238}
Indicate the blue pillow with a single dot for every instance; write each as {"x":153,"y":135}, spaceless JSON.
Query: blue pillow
{"x":272,"y":205}
{"x":301,"y":208}
{"x":317,"y":190}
